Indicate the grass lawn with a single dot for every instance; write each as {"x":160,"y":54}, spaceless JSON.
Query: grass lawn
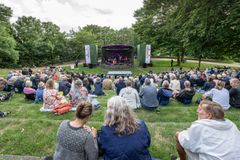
{"x":26,"y":131}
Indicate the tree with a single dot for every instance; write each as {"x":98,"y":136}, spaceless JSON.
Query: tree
{"x":78,"y":40}
{"x":28,"y":34}
{"x":151,"y":18}
{"x":198,"y":28}
{"x":8,"y":53}
{"x":53,"y":41}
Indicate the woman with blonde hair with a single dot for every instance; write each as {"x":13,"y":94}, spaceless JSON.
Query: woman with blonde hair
{"x":219,"y":95}
{"x":51,"y":97}
{"x":123,"y":136}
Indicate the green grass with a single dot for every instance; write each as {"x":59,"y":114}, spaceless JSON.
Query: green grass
{"x":158,"y":66}
{"x":26,"y":131}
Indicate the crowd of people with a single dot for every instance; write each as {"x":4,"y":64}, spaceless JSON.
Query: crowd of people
{"x":123,"y":136}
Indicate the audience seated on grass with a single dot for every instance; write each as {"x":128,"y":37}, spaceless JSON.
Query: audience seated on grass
{"x":174,"y":83}
{"x":120,"y":84}
{"x":39,"y":93}
{"x":76,"y":140}
{"x":185,"y":96}
{"x":131,"y":95}
{"x":210,"y":137}
{"x":3,"y":82}
{"x":108,"y":84}
{"x":78,"y":93}
{"x":19,"y":84}
{"x":219,"y":95}
{"x":51,"y":97}
{"x":5,"y":97}
{"x":148,"y":96}
{"x":87,"y":84}
{"x":235,"y":93}
{"x":98,"y":91}
{"x":208,"y":85}
{"x":28,"y":91}
{"x":123,"y":136}
{"x":10,"y":83}
{"x":64,"y":85}
{"x":164,"y":94}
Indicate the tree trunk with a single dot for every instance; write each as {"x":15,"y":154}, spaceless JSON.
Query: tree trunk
{"x":182,"y":55}
{"x":199,"y":61}
{"x":178,"y":59}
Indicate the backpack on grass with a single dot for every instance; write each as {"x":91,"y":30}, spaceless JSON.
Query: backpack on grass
{"x":62,"y":108}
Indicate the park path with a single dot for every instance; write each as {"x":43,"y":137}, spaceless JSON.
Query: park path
{"x":169,"y":59}
{"x":163,"y":59}
{"x":205,"y":62}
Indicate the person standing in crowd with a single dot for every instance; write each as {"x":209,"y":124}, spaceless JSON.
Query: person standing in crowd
{"x":210,"y":137}
{"x":171,"y":62}
{"x":131,"y":95}
{"x":235,"y":93}
{"x":75,"y":140}
{"x":123,"y":136}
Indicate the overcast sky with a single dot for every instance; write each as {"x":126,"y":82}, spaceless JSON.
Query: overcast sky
{"x":68,"y":14}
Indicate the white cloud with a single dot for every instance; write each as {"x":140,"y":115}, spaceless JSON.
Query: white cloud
{"x":68,"y":14}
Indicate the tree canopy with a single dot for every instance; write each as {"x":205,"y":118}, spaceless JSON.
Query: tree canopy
{"x":195,"y":28}
{"x":8,"y":54}
{"x":198,"y":28}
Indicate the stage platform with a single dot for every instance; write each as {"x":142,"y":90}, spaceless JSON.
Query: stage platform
{"x":119,"y":73}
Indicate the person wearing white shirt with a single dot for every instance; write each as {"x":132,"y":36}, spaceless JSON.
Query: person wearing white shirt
{"x":131,"y":95}
{"x":211,"y":137}
{"x":219,"y":94}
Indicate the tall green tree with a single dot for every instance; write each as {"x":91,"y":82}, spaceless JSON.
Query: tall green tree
{"x":151,"y":18}
{"x":53,"y":42}
{"x":78,"y":40}
{"x":197,"y":28}
{"x":28,"y":34}
{"x":8,"y":54}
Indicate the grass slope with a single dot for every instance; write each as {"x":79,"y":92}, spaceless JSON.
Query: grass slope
{"x":26,"y":131}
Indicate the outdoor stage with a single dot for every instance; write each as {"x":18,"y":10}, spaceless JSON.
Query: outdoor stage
{"x":117,"y":56}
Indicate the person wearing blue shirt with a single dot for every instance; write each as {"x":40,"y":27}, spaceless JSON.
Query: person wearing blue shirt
{"x":39,"y":93}
{"x":123,"y":136}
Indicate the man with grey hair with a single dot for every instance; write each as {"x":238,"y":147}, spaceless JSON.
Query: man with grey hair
{"x":210,"y":137}
{"x":148,"y":96}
